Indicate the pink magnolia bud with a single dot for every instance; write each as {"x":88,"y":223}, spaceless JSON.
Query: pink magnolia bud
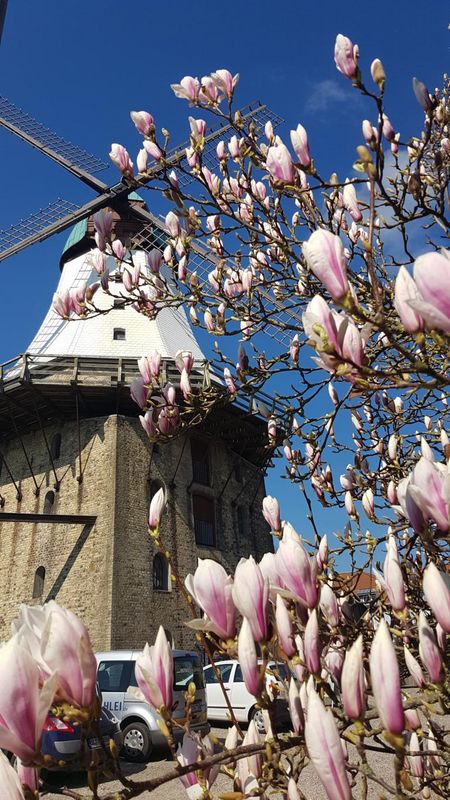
{"x":415,"y":760}
{"x":329,"y":605}
{"x":292,"y":791}
{"x":229,"y":382}
{"x":413,"y":667}
{"x":392,"y":577}
{"x":346,"y":57}
{"x":154,"y":672}
{"x":324,"y":254}
{"x":143,"y":122}
{"x":378,"y":74}
{"x":271,"y":512}
{"x":427,"y":488}
{"x":157,"y":506}
{"x":406,"y":290}
{"x":385,"y":677}
{"x":118,"y":249}
{"x":61,"y":304}
{"x":387,"y":129}
{"x":120,"y":158}
{"x":23,"y":704}
{"x":279,"y":164}
{"x":28,"y":777}
{"x":325,"y":749}
{"x":432,"y":277}
{"x":352,"y":681}
{"x":10,"y":780}
{"x":103,"y":223}
{"x":429,"y":650}
{"x":209,"y":90}
{"x":187,"y":89}
{"x":351,"y":202}
{"x":139,"y":392}
{"x":284,"y":627}
{"x":368,"y":503}
{"x":211,"y":588}
{"x":294,"y":349}
{"x":322,"y":554}
{"x":198,"y":129}
{"x":422,"y":95}
{"x":412,"y":719}
{"x":148,"y":424}
{"x":436,"y":588}
{"x":369,"y":133}
{"x":295,"y":708}
{"x":298,"y":571}
{"x":225,"y":82}
{"x":248,"y":659}
{"x":311,"y":643}
{"x":299,"y":140}
{"x":153,"y":150}
{"x":172,"y":224}
{"x":250,"y":596}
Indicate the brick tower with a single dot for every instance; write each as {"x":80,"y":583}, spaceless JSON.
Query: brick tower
{"x":77,"y":471}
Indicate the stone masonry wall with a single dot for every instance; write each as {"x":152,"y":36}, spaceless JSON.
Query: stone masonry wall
{"x":105,"y":575}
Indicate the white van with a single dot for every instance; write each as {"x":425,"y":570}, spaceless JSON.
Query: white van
{"x":138,"y":719}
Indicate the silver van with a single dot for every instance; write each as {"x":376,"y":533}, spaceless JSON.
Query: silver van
{"x":138,"y":719}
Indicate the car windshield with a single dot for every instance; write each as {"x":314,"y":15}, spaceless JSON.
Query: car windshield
{"x":187,"y":669}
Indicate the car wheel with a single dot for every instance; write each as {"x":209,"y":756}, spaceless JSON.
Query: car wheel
{"x":256,"y":715}
{"x":137,"y":742}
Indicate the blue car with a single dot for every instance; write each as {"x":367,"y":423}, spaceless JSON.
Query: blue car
{"x":62,"y":743}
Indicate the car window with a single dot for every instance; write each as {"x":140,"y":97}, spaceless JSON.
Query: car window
{"x":113,"y":676}
{"x":238,"y":675}
{"x":225,"y":672}
{"x":279,"y":671}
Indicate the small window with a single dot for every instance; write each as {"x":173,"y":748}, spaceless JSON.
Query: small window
{"x":114,"y":676}
{"x":204,"y":520}
{"x":48,"y":502}
{"x":55,"y":447}
{"x":39,"y":580}
{"x":160,"y":573}
{"x":238,"y":677}
{"x":200,"y":462}
{"x":119,"y":334}
{"x":119,"y":302}
{"x":225,"y":672}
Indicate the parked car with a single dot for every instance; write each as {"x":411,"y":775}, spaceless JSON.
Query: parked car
{"x":63,"y":743}
{"x":138,"y":720}
{"x":243,"y":703}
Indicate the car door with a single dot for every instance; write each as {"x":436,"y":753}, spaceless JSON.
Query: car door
{"x":113,"y":678}
{"x":240,"y":698}
{"x":215,"y":699}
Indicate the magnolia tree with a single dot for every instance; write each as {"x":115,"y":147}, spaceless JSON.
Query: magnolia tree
{"x":354,"y":273}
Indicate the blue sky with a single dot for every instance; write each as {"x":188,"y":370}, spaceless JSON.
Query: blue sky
{"x":79,"y":66}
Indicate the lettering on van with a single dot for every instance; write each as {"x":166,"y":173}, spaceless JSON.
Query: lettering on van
{"x":112,"y":705}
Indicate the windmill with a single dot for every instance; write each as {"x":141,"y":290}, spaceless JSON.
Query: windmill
{"x":72,"y":450}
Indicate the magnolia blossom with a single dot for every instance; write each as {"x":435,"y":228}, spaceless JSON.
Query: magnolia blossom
{"x":271,"y":512}
{"x":119,"y":156}
{"x":248,"y":659}
{"x":154,"y":672}
{"x":346,"y":56}
{"x":325,"y":749}
{"x":157,"y":506}
{"x":429,"y":650}
{"x":436,"y":588}
{"x":250,"y":595}
{"x":279,"y":164}
{"x":311,"y":644}
{"x":284,"y":627}
{"x":334,"y":337}
{"x":352,"y":681}
{"x":143,"y":122}
{"x":299,"y":140}
{"x":187,"y":89}
{"x":295,"y":707}
{"x":225,"y":81}
{"x":406,"y":290}
{"x":392,"y":579}
{"x":429,"y":488}
{"x":212,"y":590}
{"x":24,"y":699}
{"x":298,"y":571}
{"x":9,"y":781}
{"x":432,"y":278}
{"x":324,"y":254}
{"x":385,"y":676}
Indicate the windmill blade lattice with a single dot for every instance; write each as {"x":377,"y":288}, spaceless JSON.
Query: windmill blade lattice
{"x":285,"y":320}
{"x":29,"y":129}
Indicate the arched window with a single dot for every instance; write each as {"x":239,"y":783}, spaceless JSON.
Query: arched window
{"x":160,"y":573}
{"x":48,"y":502}
{"x":204,"y":520}
{"x":39,"y":580}
{"x":55,"y":447}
